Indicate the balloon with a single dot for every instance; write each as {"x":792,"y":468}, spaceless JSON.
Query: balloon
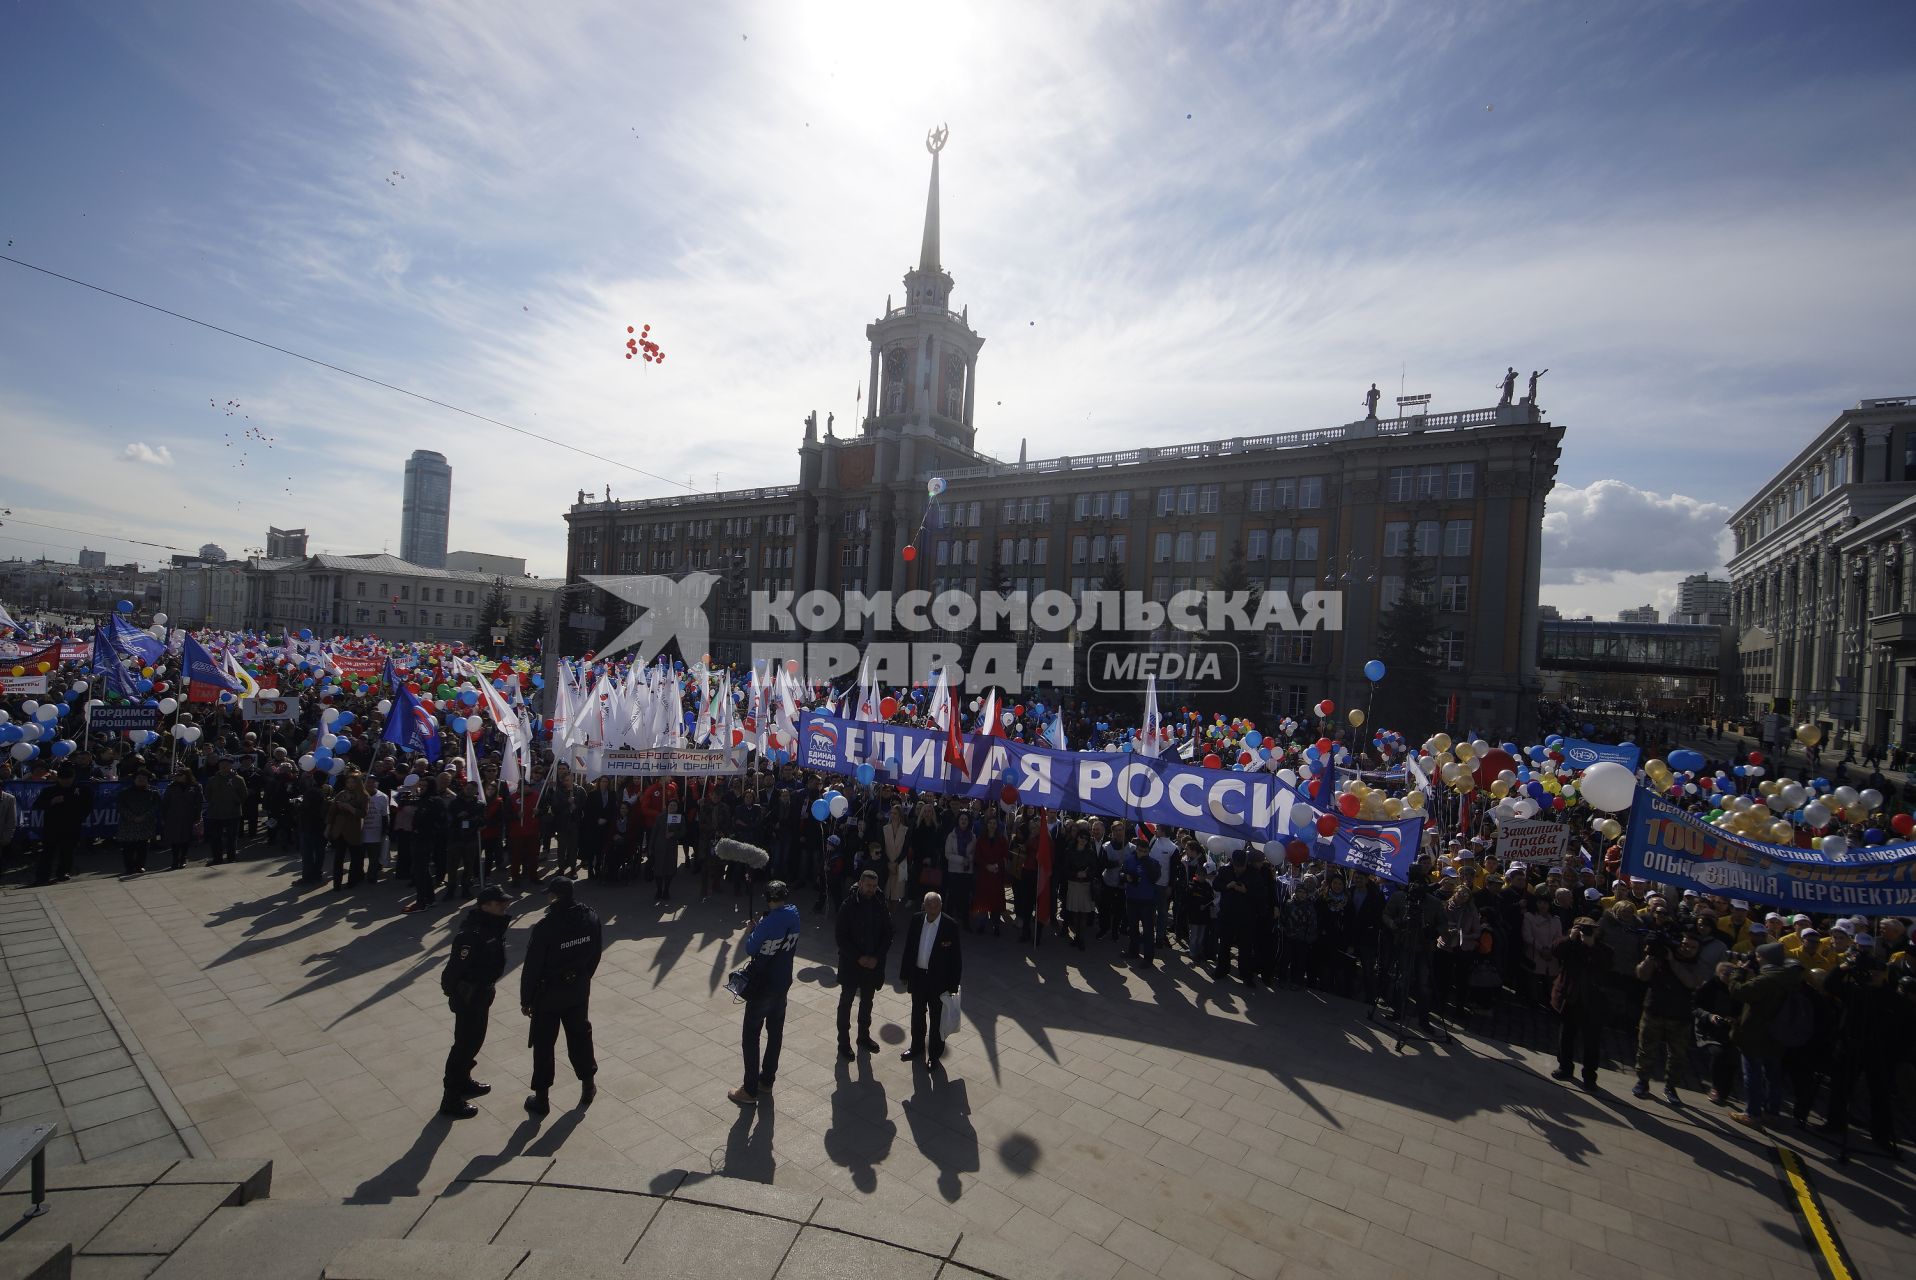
{"x":124,"y":606}
{"x":1348,"y":805}
{"x":1809,"y":734}
{"x":1326,"y":825}
{"x":192,"y":733}
{"x":1253,"y":739}
{"x":1870,"y":799}
{"x":22,"y":751}
{"x":385,"y":705}
{"x":839,"y":805}
{"x":1834,"y":846}
{"x":888,"y":707}
{"x":345,"y":718}
{"x":1373,"y":671}
{"x":1687,"y":760}
{"x":1297,"y":853}
{"x":934,"y":486}
{"x":306,"y":633}
{"x":821,"y":808}
{"x":1212,"y":762}
{"x":1355,"y":716}
{"x":1008,"y":793}
{"x":1609,"y":786}
{"x":306,"y":763}
{"x":1902,"y":824}
{"x":62,"y":749}
{"x":911,"y":553}
{"x":866,"y":773}
{"x":47,"y":712}
{"x":1324,"y":746}
{"x":168,"y":706}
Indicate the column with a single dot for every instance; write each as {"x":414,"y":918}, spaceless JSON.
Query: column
{"x":971,"y":389}
{"x":871,"y":392}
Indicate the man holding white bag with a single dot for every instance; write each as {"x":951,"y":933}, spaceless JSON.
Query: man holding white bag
{"x":930,"y":968}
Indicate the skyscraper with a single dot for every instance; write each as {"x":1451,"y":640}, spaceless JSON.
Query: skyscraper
{"x":427,"y":510}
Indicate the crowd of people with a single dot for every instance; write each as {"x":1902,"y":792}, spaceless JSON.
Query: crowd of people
{"x":1759,"y":1012}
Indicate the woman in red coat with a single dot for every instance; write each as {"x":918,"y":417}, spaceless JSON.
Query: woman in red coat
{"x":989,"y":857}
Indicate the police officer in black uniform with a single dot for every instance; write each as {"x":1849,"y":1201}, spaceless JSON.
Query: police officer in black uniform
{"x":477,"y":962}
{"x":554,"y":985}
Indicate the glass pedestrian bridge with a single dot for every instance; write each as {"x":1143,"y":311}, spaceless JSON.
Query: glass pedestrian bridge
{"x":1644,"y":648}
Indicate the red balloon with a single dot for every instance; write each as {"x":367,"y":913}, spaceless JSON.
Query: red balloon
{"x":1245,"y":757}
{"x":1018,"y":710}
{"x":1348,"y":805}
{"x":1326,"y":825}
{"x":1212,"y":762}
{"x":1327,"y":708}
{"x":1756,"y":757}
{"x":1324,"y":746}
{"x":1296,"y":852}
{"x":1902,"y":824}
{"x":1009,"y":795}
{"x":888,"y":707}
{"x":911,"y":553}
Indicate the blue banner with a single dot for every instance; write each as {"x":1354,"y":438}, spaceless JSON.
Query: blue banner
{"x":1384,"y":849}
{"x":101,"y":822}
{"x":1244,"y":806}
{"x":1668,"y":845}
{"x":1579,"y":754}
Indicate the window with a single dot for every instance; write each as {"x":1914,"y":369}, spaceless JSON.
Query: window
{"x":1097,"y":548}
{"x":1008,"y":511}
{"x":1186,"y":544}
{"x":971,"y":553}
{"x":1310,"y":492}
{"x":1042,"y":509}
{"x":1260,"y":495}
{"x":1839,"y":470}
{"x":1457,"y":537}
{"x":1256,"y":543}
{"x":382,"y":615}
{"x":438,"y":619}
{"x":1450,"y":647}
{"x":1024,"y":511}
{"x":1005,"y":549}
{"x":1160,"y":588}
{"x":1040,"y":550}
{"x":1120,"y":546}
{"x":1078,"y":549}
{"x":1167,"y":501}
{"x":361,"y":615}
{"x":1306,"y":544}
{"x":439,"y":596}
{"x":1120,"y":505}
{"x":944,"y":552}
{"x":1283,"y":494}
{"x":359,"y":589}
{"x":1280,"y":544}
{"x":1460,"y":480}
{"x":1081,"y":509}
{"x":1425,"y":537}
{"x":1453,"y":594}
{"x":1430,"y":481}
{"x":405,"y":591}
{"x":384,"y":591}
{"x":1396,"y":538}
{"x":1816,"y":484}
{"x":972,"y":518}
{"x":1398,"y":484}
{"x":1187,"y":500}
{"x":1162,"y":551}
{"x":1391,"y":590}
{"x":1208,"y":499}
{"x":1292,"y":648}
{"x":1077,"y":590}
{"x":1207,"y":547}
{"x":1024,"y":551}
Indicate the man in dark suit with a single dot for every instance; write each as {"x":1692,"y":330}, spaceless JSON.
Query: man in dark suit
{"x":930,"y":967}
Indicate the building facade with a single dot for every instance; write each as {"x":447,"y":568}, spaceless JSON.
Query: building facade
{"x":1702,"y":601}
{"x":1643,"y":614}
{"x":285,"y":544}
{"x":1821,"y":584}
{"x":1342,"y":508}
{"x":427,"y":510}
{"x":481,"y":562}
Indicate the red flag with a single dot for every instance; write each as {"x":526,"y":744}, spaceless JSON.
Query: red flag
{"x":955,"y":744}
{"x":1042,"y":851}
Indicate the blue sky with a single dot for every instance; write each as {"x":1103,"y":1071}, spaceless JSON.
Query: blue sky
{"x":1696,"y":215}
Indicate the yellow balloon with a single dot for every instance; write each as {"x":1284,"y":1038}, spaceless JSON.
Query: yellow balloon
{"x":1782,"y":832}
{"x":1355,"y":716}
{"x":1809,"y":734}
{"x":1415,"y":801}
{"x":1500,"y":788}
{"x":1464,"y":751}
{"x":1441,"y":742}
{"x":1393,"y":808}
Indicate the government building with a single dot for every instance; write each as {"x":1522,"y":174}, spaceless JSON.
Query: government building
{"x":1332,"y":508}
{"x":1822,"y":592}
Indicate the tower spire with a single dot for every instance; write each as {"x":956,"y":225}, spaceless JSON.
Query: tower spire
{"x":928,"y":251}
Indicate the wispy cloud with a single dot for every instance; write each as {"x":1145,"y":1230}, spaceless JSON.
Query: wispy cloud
{"x":151,"y":455}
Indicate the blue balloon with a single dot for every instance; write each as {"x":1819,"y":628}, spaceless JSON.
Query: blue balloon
{"x":305,"y":633}
{"x":1510,"y":748}
{"x":143,"y":686}
{"x":866,"y":773}
{"x":1539,"y":754}
{"x":821,"y":808}
{"x":1872,"y":836}
{"x":458,"y":724}
{"x":1373,"y":671}
{"x":1686,"y":760}
{"x":341,"y":744}
{"x":1124,"y":746}
{"x":1253,"y":739}
{"x":345,"y":718}
{"x":538,"y":682}
{"x":63,"y":748}
{"x":125,"y":606}
{"x":469,"y":696}
{"x":59,"y":709}
{"x":322,"y":758}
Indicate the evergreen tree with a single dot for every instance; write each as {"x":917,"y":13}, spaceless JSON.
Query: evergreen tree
{"x":491,"y":614}
{"x":532,"y":631}
{"x":1407,"y":644}
{"x":1248,"y":696}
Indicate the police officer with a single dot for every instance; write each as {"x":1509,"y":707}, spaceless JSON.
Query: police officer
{"x":864,"y":936}
{"x":554,"y":985}
{"x":477,"y":962}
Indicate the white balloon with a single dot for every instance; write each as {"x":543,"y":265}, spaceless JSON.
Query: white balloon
{"x":328,"y":740}
{"x":23,"y":751}
{"x":840,"y":806}
{"x":1220,"y":846}
{"x":80,"y":686}
{"x":169,"y":705}
{"x":179,"y":731}
{"x":329,"y":715}
{"x":1870,"y":798}
{"x":1834,"y":846}
{"x":4,"y":717}
{"x":159,"y":619}
{"x":30,"y":706}
{"x":1289,"y":775}
{"x":192,"y":733}
{"x":1793,"y":795}
{"x":1609,"y":786}
{"x":1526,"y":808}
{"x":306,"y":763}
{"x":47,"y":713}
{"x":94,"y":702}
{"x":1816,"y":815}
{"x":385,"y":705}
{"x":31,"y":731}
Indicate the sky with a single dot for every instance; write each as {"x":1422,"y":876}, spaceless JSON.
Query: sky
{"x":1169,"y":221}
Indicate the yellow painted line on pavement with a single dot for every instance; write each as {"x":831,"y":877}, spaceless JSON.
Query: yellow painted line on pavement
{"x":1832,"y":1258}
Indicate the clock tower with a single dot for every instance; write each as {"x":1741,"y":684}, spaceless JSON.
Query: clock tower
{"x":924,"y":355}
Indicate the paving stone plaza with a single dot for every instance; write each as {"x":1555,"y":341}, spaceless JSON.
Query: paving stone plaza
{"x":1091,"y":1118}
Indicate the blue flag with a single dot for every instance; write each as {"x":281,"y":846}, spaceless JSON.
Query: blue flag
{"x":205,"y":681}
{"x":140,"y":644}
{"x":1579,"y":754}
{"x":1383,"y":848}
{"x":108,"y":665}
{"x":411,"y":726}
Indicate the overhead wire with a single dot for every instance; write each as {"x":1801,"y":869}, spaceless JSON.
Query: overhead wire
{"x":342,"y":369}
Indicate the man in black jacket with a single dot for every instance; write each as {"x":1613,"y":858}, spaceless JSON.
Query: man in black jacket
{"x":477,"y":963}
{"x":554,"y":986}
{"x":65,"y":807}
{"x":930,"y":967}
{"x":864,"y":936}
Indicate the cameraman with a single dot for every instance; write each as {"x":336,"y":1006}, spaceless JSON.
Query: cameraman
{"x":1667,"y":1017}
{"x":1413,"y":919}
{"x":1583,"y":962}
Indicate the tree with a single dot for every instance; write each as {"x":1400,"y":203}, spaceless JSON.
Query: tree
{"x":532,"y":631}
{"x":1407,"y":644}
{"x":1248,"y":696}
{"x":491,"y":614}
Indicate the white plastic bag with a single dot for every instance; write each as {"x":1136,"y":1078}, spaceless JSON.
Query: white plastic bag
{"x":948,"y":1015}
